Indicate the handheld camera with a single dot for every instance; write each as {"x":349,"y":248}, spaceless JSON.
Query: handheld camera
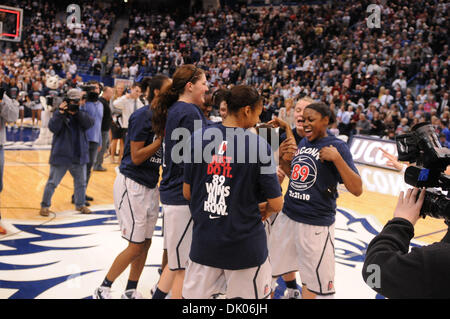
{"x":421,"y":146}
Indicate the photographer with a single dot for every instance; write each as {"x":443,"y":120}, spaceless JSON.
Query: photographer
{"x":69,"y":150}
{"x":421,"y":273}
{"x":8,"y":113}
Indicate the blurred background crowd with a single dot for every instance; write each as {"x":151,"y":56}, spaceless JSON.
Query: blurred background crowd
{"x":379,"y":81}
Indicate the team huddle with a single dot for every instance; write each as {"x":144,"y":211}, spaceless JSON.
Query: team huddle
{"x":228,"y":230}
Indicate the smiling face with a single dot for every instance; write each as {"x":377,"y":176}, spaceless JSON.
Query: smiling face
{"x":298,"y":115}
{"x":197,"y":90}
{"x":135,"y":92}
{"x":315,"y":126}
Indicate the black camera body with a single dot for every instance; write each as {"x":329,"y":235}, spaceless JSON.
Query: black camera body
{"x":421,"y":146}
{"x":72,"y":106}
{"x":91,"y":95}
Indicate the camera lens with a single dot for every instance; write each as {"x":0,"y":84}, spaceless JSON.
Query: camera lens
{"x":435,"y":205}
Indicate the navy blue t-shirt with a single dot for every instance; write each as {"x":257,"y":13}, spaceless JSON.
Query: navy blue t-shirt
{"x":225,"y":190}
{"x":140,"y":130}
{"x":312,"y":191}
{"x":297,"y":137}
{"x":180,"y":115}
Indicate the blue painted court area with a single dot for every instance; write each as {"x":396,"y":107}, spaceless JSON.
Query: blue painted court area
{"x":21,"y":134}
{"x":68,"y":255}
{"x":23,"y":138}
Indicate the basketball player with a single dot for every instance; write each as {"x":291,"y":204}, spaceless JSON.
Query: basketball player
{"x":305,"y":227}
{"x":229,"y":247}
{"x":136,"y":200}
{"x":297,"y":133}
{"x":177,"y":107}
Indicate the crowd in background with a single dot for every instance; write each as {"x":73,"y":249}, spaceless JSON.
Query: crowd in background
{"x":379,"y":81}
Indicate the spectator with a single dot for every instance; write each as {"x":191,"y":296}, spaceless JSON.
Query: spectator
{"x":129,"y":103}
{"x":400,"y":82}
{"x":345,"y":116}
{"x":443,"y":140}
{"x":363,"y":125}
{"x":105,"y":99}
{"x":443,"y":103}
{"x":386,"y":98}
{"x":403,"y":127}
{"x":286,"y":113}
{"x":377,"y":127}
{"x":117,"y":131}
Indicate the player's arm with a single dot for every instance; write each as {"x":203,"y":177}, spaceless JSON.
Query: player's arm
{"x":287,"y":151}
{"x":351,"y":179}
{"x":187,"y":191}
{"x":280,"y":174}
{"x":140,"y":153}
{"x":273,"y":205}
{"x":277,"y":122}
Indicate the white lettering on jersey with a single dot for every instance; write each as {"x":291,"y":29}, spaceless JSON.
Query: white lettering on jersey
{"x":217,"y":193}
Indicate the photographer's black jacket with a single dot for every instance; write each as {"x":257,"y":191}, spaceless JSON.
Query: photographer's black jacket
{"x":422,"y":273}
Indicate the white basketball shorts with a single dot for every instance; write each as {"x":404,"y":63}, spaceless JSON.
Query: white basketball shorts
{"x":309,"y":249}
{"x":137,"y":209}
{"x":177,"y":235}
{"x":205,"y":282}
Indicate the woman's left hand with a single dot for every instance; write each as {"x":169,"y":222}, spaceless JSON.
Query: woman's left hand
{"x":329,"y":153}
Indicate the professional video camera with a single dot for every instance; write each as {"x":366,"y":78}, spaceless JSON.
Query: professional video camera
{"x":91,"y":95}
{"x":421,"y":146}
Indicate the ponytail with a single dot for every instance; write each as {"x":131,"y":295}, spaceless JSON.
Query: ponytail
{"x":166,"y":98}
{"x":160,"y":107}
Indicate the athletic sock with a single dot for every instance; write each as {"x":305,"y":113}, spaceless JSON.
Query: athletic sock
{"x":159,"y":294}
{"x":131,"y":285}
{"x":107,"y":283}
{"x":291,"y":284}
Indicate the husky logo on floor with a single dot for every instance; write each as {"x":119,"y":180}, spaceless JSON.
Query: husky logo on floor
{"x":61,"y":259}
{"x":68,"y":257}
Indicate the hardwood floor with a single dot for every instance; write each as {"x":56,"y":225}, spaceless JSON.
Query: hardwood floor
{"x":26,"y":173}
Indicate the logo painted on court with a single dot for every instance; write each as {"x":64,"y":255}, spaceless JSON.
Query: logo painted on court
{"x":63,"y":258}
{"x":66,"y":258}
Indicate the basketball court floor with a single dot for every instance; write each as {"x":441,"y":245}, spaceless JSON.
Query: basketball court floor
{"x":67,"y":255}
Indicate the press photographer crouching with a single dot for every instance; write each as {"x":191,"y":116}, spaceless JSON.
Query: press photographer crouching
{"x":69,"y":150}
{"x":424,"y":272}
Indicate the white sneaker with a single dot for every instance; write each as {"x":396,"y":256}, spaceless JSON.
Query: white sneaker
{"x":132,"y":294}
{"x":102,"y":293}
{"x":292,"y":294}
